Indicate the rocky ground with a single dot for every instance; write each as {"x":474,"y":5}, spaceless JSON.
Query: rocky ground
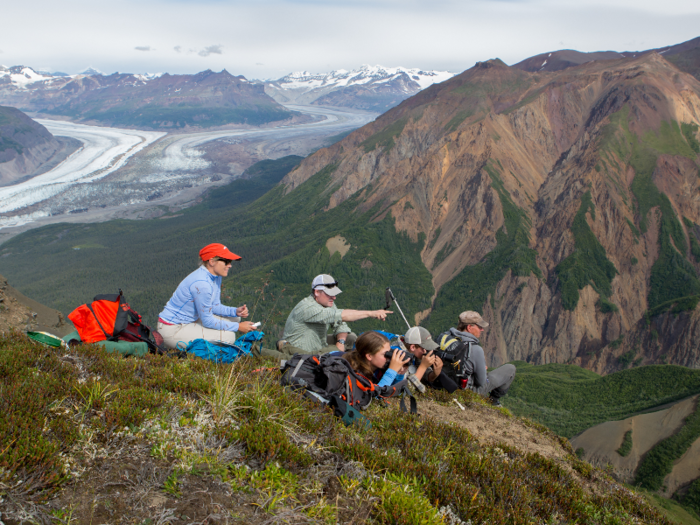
{"x":20,"y":312}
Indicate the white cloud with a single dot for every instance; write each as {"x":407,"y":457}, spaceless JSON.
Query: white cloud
{"x":209,"y":50}
{"x":343,"y":34}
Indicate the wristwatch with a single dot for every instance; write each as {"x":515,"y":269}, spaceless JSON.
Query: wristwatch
{"x":341,"y":341}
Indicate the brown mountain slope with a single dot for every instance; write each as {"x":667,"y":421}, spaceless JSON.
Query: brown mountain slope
{"x":24,"y":145}
{"x":540,"y":197}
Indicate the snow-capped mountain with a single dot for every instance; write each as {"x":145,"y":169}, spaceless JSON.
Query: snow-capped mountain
{"x":375,"y":88}
{"x":21,"y":76}
{"x":203,"y":100}
{"x":91,"y":71}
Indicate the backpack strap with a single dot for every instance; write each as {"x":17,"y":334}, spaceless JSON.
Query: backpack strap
{"x":445,"y":342}
{"x":296,"y":368}
{"x":414,"y":405}
{"x":107,"y":336}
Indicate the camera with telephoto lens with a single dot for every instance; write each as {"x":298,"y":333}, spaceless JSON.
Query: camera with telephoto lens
{"x":445,"y":356}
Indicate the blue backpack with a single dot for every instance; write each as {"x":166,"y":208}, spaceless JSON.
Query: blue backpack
{"x":221,"y":352}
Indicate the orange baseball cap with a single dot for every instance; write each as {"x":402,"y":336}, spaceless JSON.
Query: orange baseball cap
{"x":217,"y":250}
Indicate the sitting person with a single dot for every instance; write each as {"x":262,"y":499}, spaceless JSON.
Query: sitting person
{"x":496,"y":383}
{"x":420,"y":343}
{"x":368,"y":359}
{"x":195,"y":310}
{"x":306,"y":329}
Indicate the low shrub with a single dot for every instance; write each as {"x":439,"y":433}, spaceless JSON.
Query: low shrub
{"x":626,"y":446}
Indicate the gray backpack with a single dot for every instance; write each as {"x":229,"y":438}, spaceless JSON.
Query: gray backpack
{"x":331,"y":375}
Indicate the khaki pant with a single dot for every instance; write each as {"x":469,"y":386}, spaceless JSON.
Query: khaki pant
{"x":286,"y":351}
{"x":184,"y":333}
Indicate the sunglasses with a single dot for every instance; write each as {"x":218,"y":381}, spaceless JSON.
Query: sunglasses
{"x":227,"y":262}
{"x":328,"y":285}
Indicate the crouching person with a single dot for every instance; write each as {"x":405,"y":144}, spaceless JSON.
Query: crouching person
{"x":495,"y":383}
{"x":307,"y":328}
{"x":426,"y":366}
{"x":368,"y":358}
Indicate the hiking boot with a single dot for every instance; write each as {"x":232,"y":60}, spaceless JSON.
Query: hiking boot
{"x":280,"y":344}
{"x":495,"y":402}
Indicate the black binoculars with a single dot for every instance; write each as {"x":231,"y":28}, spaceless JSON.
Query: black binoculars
{"x":403,"y":353}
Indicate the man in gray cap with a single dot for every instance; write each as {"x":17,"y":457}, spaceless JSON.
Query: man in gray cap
{"x":496,"y":383}
{"x":420,"y":343}
{"x":306,"y":329}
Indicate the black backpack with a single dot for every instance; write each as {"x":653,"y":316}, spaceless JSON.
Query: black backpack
{"x":454,"y":353}
{"x":323,"y":377}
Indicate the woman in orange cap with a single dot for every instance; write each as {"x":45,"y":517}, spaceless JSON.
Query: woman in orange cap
{"x":195,"y":310}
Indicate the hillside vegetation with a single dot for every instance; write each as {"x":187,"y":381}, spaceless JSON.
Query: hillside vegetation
{"x":569,"y":399}
{"x":91,"y":437}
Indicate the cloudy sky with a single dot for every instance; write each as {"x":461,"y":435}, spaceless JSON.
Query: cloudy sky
{"x":269,"y":38}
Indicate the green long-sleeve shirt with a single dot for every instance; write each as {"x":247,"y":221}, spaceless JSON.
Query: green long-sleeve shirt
{"x":308,"y":324}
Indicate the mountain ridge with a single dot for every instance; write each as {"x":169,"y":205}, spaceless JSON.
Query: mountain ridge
{"x":560,"y":204}
{"x":686,"y":56}
{"x":374,"y":88}
{"x":158,"y":101}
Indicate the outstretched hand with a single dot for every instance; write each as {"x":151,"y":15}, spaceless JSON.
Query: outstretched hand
{"x":381,"y":314}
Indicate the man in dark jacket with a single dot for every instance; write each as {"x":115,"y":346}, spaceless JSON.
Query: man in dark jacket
{"x":420,"y":343}
{"x":496,"y":383}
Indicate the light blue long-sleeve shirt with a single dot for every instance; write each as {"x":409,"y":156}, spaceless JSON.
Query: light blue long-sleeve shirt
{"x":389,"y":378}
{"x":199,"y":297}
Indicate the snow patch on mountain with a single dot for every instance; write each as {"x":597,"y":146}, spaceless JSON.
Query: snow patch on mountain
{"x":91,"y":71}
{"x":375,"y":88}
{"x":21,"y":77}
{"x":365,"y":75}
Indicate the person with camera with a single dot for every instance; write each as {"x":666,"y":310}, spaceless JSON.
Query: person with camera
{"x":426,"y":365}
{"x":496,"y":383}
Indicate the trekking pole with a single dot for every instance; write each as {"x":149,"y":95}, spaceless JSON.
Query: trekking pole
{"x":389,"y":299}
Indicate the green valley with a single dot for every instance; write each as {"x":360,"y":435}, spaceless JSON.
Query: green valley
{"x":569,"y":399}
{"x":280,"y":237}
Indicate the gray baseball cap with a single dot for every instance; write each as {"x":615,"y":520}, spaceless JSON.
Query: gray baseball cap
{"x":421,"y":337}
{"x":326,"y":283}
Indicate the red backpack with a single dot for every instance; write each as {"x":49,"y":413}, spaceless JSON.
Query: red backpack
{"x":110,"y":318}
